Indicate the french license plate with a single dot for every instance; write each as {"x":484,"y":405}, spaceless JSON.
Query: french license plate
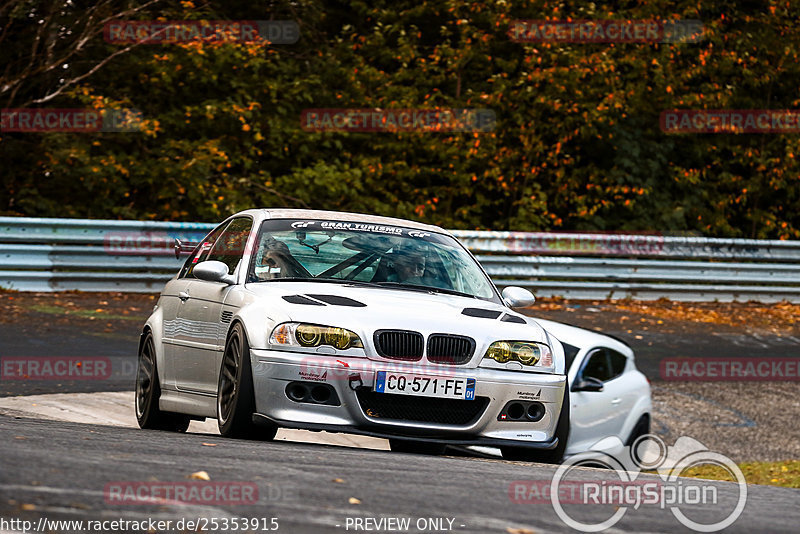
{"x":425,"y":386}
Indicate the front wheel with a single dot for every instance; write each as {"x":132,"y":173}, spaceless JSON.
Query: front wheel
{"x":148,"y":393}
{"x":552,"y":456}
{"x":641,"y":428}
{"x":236,"y":401}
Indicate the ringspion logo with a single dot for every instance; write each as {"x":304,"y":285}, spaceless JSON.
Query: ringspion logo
{"x":696,"y":503}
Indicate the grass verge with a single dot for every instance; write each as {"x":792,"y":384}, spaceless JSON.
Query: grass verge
{"x":785,"y":474}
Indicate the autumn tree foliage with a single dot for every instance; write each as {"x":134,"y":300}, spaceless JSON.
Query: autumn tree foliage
{"x":577,"y":143}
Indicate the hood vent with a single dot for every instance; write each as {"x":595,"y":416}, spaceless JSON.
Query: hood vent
{"x":483,"y":314}
{"x":322,"y":300}
{"x":508,"y":318}
{"x":336,"y":300}
{"x":300,"y":299}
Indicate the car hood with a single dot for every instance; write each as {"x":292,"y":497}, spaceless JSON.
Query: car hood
{"x":365,"y":310}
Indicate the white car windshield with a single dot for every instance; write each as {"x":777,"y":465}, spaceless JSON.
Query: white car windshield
{"x":365,"y":253}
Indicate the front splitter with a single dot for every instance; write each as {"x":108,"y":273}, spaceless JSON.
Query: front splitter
{"x":261,"y":419}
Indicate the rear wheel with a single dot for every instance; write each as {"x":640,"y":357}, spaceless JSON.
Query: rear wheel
{"x":236,"y":401}
{"x":416,"y":447}
{"x":552,"y":456}
{"x":148,"y":393}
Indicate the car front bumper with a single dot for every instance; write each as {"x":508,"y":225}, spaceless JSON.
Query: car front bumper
{"x":353,"y":380}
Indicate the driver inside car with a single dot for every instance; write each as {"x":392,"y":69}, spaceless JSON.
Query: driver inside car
{"x":408,"y":267}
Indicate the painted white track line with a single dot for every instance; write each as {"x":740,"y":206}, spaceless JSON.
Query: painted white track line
{"x":116,"y":409}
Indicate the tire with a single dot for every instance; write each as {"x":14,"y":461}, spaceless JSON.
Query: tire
{"x":236,"y":401}
{"x":148,"y":393}
{"x":552,"y":456}
{"x":641,"y":428}
{"x":416,"y":447}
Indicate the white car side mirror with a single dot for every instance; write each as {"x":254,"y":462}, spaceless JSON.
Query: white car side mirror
{"x":213,"y":271}
{"x":518,"y":297}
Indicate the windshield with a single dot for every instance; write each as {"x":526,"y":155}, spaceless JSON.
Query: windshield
{"x":368,"y":254}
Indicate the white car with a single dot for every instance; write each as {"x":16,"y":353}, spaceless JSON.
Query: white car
{"x":350,"y":323}
{"x":609,"y":396}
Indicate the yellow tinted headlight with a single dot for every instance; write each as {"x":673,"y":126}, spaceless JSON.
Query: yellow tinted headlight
{"x":499,"y":351}
{"x":308,"y":335}
{"x":311,"y":335}
{"x":338,"y":338}
{"x":526,"y":354}
{"x":518,"y":351}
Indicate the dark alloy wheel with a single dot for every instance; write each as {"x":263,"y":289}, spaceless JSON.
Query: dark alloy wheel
{"x":148,"y":392}
{"x":235,"y":396}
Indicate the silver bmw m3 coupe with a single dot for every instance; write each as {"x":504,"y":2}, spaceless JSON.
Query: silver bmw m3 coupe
{"x":350,"y":323}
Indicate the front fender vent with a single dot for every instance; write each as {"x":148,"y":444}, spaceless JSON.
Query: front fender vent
{"x":226,"y":317}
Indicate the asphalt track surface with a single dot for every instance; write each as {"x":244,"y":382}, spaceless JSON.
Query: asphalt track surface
{"x":59,"y":471}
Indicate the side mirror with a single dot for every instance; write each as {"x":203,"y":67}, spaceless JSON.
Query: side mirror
{"x":518,"y":297}
{"x":213,"y":271}
{"x":588,"y":384}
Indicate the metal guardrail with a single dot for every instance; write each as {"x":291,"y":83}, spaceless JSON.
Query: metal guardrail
{"x":136,"y":256}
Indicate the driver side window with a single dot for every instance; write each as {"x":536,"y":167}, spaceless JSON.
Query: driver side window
{"x":201,"y":252}
{"x":229,"y":248}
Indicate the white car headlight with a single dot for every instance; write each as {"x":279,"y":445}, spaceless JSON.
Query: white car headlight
{"x":312,"y":335}
{"x":519,"y":355}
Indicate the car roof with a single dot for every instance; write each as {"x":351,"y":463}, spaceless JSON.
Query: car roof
{"x":287,"y":213}
{"x":582,"y":337}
